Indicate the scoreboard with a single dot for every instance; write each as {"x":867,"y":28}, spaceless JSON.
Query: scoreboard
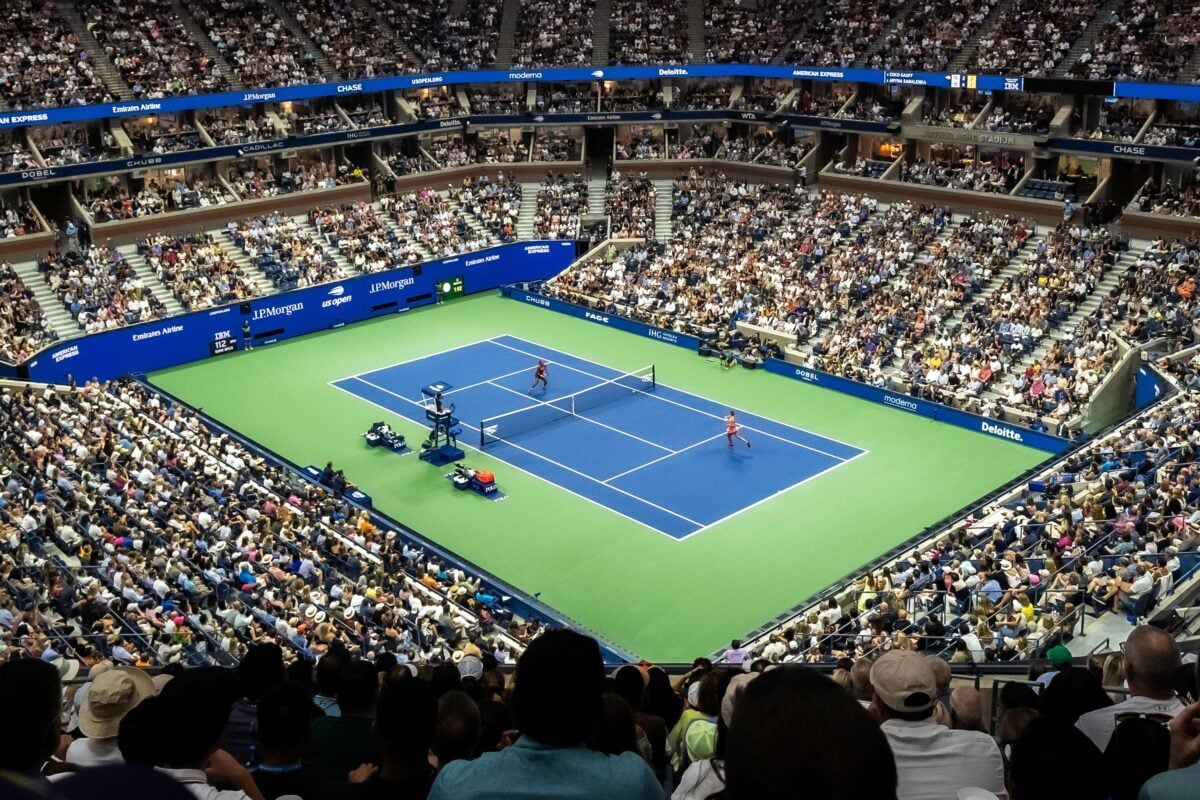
{"x":222,"y":342}
{"x":449,"y":288}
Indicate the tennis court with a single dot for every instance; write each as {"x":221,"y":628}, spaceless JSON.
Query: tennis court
{"x":645,"y":593}
{"x":626,"y":441}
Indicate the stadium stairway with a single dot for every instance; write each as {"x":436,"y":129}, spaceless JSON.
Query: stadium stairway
{"x":888,"y":30}
{"x":153,"y":284}
{"x":597,"y":187}
{"x":104,"y":68}
{"x":509,"y":16}
{"x":239,"y":257}
{"x":600,"y":33}
{"x":1001,"y":12}
{"x":1087,"y":38}
{"x":56,"y":312}
{"x":293,"y":25}
{"x":695,"y":28}
{"x":1191,"y":70}
{"x":529,"y":205}
{"x":473,"y":222}
{"x":197,"y":33}
{"x":663,"y":204}
{"x":403,"y":236}
{"x":375,"y":10}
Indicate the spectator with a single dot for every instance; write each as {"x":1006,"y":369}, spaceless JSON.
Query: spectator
{"x":557,"y":699}
{"x":284,"y":714}
{"x":260,"y":669}
{"x":112,"y":695}
{"x":1037,"y":758}
{"x":459,"y":726}
{"x":1151,"y":657}
{"x":405,"y":719}
{"x":966,"y":709}
{"x":193,"y":757}
{"x":932,"y":761}
{"x":794,"y":730}
{"x":328,"y":669}
{"x":1184,"y":775}
{"x":31,"y":696}
{"x":338,"y":745}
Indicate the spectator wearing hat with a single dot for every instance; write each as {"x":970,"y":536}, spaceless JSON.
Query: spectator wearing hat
{"x":558,"y":700}
{"x":1060,"y":658}
{"x":112,"y":695}
{"x":933,"y":762}
{"x":1151,"y":658}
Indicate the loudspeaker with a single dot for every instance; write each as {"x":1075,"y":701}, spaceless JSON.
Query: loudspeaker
{"x":245,"y":307}
{"x":417,"y":271}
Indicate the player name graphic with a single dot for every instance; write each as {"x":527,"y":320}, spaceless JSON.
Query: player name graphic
{"x":1002,"y":431}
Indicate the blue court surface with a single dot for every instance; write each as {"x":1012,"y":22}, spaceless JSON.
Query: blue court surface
{"x":656,"y":455}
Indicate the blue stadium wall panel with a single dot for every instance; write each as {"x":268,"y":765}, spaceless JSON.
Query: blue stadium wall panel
{"x":178,"y":340}
{"x":900,"y":402}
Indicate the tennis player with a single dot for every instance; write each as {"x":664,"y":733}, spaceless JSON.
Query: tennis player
{"x":732,"y":429}
{"x":539,"y":376}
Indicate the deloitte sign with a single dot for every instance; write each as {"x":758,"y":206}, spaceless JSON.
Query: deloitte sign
{"x":1003,"y":431}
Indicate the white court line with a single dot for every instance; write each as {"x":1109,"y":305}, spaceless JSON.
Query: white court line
{"x":541,"y":478}
{"x":489,"y":380}
{"x":784,"y":490}
{"x":705,"y":413}
{"x":544,"y":458}
{"x":414,"y":360}
{"x":663,"y":458}
{"x":578,"y":416}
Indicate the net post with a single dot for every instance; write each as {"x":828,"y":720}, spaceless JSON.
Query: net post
{"x":653,"y":377}
{"x":482,"y":436}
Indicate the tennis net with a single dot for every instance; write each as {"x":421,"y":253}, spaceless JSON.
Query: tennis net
{"x":515,"y":423}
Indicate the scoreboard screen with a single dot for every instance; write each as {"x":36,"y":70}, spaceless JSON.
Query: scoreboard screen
{"x":222,"y":342}
{"x":450,"y":287}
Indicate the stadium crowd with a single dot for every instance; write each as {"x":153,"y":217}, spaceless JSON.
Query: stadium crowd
{"x":287,"y":252}
{"x":1142,"y":40}
{"x":260,"y":48}
{"x":496,"y":202}
{"x":359,"y":233}
{"x":1032,"y":37}
{"x":554,"y":33}
{"x":450,"y":36}
{"x":645,"y":33}
{"x":740,"y":33}
{"x":24,"y":328}
{"x":42,"y":63}
{"x":99,"y":288}
{"x":197,"y":270}
{"x":152,"y":49}
{"x":561,"y":201}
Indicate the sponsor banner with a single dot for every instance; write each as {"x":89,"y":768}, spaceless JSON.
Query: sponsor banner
{"x":1149,"y":387}
{"x":608,"y":320}
{"x":173,"y":105}
{"x":1126,"y":150}
{"x":923,"y":408}
{"x":178,"y":340}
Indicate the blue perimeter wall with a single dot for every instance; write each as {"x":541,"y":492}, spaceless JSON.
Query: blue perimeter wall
{"x":201,"y":334}
{"x":899,"y":402}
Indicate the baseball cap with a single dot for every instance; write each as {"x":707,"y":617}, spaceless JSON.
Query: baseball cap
{"x":1059,"y":656}
{"x":904,"y":681}
{"x":470,"y":667}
